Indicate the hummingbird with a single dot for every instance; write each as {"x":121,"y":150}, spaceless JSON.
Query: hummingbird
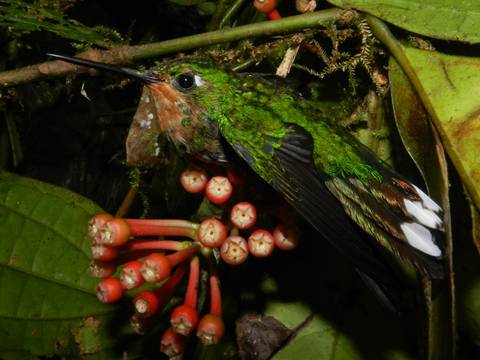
{"x":334,"y":182}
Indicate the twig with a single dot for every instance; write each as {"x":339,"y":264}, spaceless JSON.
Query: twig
{"x":127,"y":54}
{"x":127,"y":202}
{"x":230,"y":13}
{"x":221,"y":8}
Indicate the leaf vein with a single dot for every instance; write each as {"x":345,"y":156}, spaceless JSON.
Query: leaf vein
{"x":45,"y":225}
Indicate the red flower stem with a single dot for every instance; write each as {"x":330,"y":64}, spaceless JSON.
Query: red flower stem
{"x":180,"y":256}
{"x":137,"y":249}
{"x":192,"y":287}
{"x":165,"y":292}
{"x":215,"y":293}
{"x":154,"y":245}
{"x":162,"y":227}
{"x":127,"y":201}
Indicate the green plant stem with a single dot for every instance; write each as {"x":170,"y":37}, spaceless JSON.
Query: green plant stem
{"x":127,"y":54}
{"x":221,"y":9}
{"x":127,"y":202}
{"x":266,"y":28}
{"x":382,"y":33}
{"x":230,"y":13}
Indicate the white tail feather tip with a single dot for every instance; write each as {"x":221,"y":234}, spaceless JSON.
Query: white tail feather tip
{"x":420,"y":238}
{"x":423,"y":215}
{"x":427,"y":201}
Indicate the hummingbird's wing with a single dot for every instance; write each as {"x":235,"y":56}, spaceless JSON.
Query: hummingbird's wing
{"x":325,"y":202}
{"x":295,"y":176}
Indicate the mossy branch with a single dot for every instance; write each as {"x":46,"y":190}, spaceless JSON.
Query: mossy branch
{"x":128,"y":54}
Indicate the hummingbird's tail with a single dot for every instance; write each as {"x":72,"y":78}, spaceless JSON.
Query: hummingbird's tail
{"x":400,"y":216}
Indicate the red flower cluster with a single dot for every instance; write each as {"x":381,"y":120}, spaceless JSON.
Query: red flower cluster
{"x":212,"y":233}
{"x":134,"y":247}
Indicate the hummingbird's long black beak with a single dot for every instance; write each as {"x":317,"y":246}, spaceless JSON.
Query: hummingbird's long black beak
{"x":131,"y":73}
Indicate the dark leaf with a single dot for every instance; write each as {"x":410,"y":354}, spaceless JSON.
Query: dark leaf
{"x":47,"y":299}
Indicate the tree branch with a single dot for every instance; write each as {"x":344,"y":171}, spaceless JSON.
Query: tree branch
{"x":128,"y":54}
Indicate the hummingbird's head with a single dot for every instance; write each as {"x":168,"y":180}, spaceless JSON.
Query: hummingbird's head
{"x":199,"y":81}
{"x":181,"y":99}
{"x":190,"y":98}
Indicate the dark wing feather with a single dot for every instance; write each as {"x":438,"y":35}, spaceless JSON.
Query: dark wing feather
{"x":389,"y":210}
{"x":302,"y":185}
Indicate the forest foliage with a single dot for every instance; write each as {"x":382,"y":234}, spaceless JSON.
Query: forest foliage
{"x":401,"y":76}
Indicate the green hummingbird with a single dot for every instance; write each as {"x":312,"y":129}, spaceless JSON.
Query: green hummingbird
{"x":332,"y":180}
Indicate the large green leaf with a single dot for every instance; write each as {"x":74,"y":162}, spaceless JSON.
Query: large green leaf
{"x":47,"y":300}
{"x":448,"y":86}
{"x":413,"y":124}
{"x":441,"y":19}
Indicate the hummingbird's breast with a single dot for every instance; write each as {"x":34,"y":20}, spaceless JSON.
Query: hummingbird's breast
{"x":186,"y":124}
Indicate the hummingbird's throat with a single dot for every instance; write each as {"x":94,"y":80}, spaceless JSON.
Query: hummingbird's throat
{"x":165,"y":112}
{"x":176,"y":115}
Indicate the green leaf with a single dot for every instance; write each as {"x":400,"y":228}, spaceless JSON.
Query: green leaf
{"x":441,"y":19}
{"x":413,"y":123}
{"x":47,"y":300}
{"x":448,"y":86}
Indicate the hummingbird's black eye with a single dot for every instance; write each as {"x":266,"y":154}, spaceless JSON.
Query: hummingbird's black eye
{"x":186,"y":81}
